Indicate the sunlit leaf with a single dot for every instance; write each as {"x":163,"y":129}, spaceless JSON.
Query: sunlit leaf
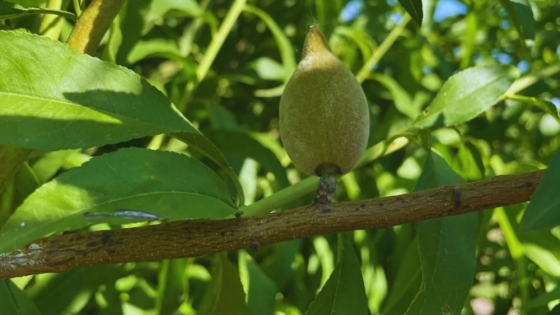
{"x":174,"y":8}
{"x":467,"y":94}
{"x":167,"y":184}
{"x":85,"y":102}
{"x":158,"y":47}
{"x":50,"y":163}
{"x":268,"y":69}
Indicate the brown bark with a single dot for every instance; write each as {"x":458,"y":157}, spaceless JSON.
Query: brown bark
{"x":191,"y":238}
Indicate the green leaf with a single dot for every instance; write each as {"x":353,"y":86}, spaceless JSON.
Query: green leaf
{"x":241,"y":144}
{"x":23,"y":184}
{"x":471,"y":160}
{"x":85,"y":102}
{"x":414,"y":8}
{"x":158,"y":47}
{"x":69,"y":292}
{"x":344,"y":291}
{"x":174,"y":8}
{"x":220,"y":117}
{"x":403,"y":101}
{"x":171,"y":285}
{"x":14,"y":301}
{"x":407,"y":282}
{"x":50,"y":163}
{"x":88,"y":103}
{"x":11,"y":10}
{"x":268,"y":69}
{"x":166,"y":184}
{"x":285,"y":47}
{"x":27,"y":3}
{"x":542,"y":247}
{"x":467,"y":94}
{"x":278,"y":263}
{"x":545,"y":105}
{"x":11,"y":159}
{"x":543,"y":258}
{"x":544,"y":209}
{"x":447,"y":249}
{"x":261,"y":291}
{"x":327,"y":14}
{"x":521,"y":15}
{"x":344,"y":35}
{"x":133,"y":21}
{"x":225,"y":294}
{"x":204,"y":146}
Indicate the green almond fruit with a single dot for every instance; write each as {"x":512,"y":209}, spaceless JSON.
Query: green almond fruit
{"x":324,"y":115}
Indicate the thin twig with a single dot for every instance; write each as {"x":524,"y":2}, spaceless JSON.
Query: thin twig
{"x":92,"y":25}
{"x":382,"y":49}
{"x":191,"y":238}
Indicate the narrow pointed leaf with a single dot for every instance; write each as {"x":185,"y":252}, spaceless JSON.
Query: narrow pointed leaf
{"x":165,"y":184}
{"x":171,"y":285}
{"x":10,"y":10}
{"x":544,"y":209}
{"x":344,"y":291}
{"x":401,"y":98}
{"x":225,"y":294}
{"x":69,"y":292}
{"x":466,"y":95}
{"x":201,"y":144}
{"x":414,"y":8}
{"x":521,"y":15}
{"x":261,"y":290}
{"x":406,"y":283}
{"x":14,"y":301}
{"x":447,"y":249}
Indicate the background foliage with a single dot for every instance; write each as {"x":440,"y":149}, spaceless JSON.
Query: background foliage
{"x":223,"y":64}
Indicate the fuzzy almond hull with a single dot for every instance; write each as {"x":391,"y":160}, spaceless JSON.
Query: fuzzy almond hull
{"x":324,"y":116}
